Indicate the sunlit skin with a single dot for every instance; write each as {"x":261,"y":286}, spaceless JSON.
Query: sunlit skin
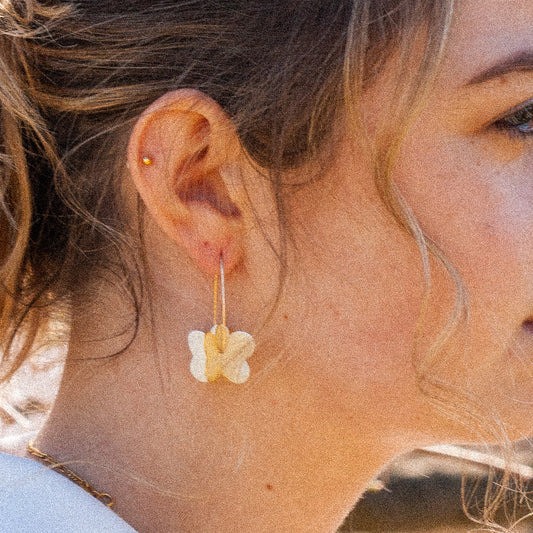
{"x":333,"y":393}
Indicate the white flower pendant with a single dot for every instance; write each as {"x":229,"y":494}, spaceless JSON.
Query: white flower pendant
{"x":220,"y":353}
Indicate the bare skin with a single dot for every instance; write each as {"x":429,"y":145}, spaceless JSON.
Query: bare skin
{"x":333,"y":393}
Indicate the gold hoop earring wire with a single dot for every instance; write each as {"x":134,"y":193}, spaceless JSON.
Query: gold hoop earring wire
{"x":223,"y":298}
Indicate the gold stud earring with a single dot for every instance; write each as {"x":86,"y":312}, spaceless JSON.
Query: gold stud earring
{"x":219,"y":352}
{"x":146,"y":160}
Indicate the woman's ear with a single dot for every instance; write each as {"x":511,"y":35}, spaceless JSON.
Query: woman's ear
{"x":182,"y":157}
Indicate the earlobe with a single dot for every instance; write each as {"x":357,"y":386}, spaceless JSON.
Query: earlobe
{"x":179,"y":154}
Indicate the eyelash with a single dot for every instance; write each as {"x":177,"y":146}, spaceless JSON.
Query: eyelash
{"x":518,"y":124}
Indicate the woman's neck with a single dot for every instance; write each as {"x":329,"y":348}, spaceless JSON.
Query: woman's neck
{"x":179,"y":455}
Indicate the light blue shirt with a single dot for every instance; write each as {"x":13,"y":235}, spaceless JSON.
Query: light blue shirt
{"x":35,"y":499}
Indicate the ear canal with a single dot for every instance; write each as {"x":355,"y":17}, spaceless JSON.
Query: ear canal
{"x":209,"y":189}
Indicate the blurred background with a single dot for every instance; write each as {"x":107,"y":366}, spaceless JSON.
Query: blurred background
{"x":418,"y":492}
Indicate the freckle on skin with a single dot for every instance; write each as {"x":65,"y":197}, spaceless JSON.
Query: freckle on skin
{"x":269,"y":486}
{"x":286,"y":316}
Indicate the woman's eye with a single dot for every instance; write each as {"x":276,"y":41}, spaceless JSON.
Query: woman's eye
{"x":519,"y":123}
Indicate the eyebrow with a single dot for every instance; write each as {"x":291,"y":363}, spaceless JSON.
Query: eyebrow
{"x":519,"y":62}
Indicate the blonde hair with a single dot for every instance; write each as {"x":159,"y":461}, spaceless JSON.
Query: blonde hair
{"x":74,"y":77}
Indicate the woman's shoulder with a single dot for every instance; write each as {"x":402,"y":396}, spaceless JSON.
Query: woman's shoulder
{"x":35,"y":498}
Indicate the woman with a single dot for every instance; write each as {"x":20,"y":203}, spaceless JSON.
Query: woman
{"x":355,"y":173}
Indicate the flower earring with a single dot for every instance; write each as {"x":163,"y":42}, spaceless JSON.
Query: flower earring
{"x":220,"y":352}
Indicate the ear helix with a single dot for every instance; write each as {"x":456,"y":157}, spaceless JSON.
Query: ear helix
{"x":145,"y":160}
{"x":219,"y":352}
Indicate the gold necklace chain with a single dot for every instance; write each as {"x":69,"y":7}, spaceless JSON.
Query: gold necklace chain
{"x":105,"y":498}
